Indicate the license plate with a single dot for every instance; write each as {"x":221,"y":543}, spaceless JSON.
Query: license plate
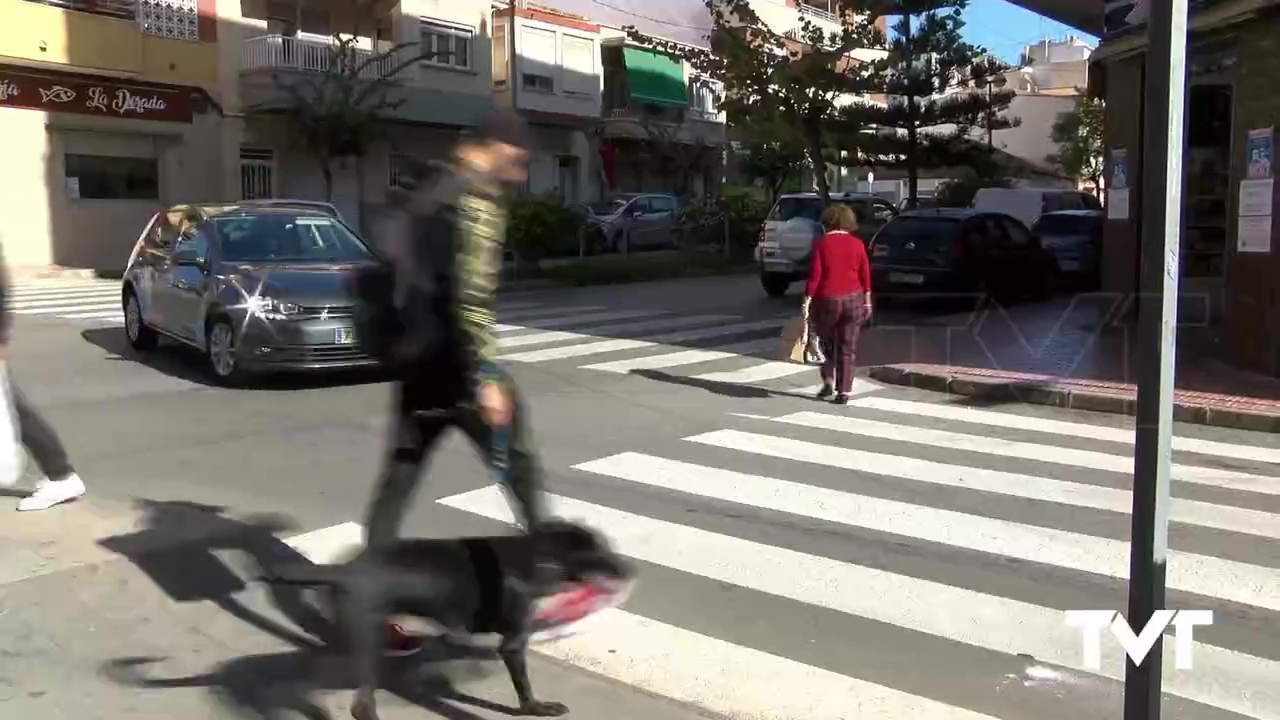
{"x":344,"y":335}
{"x":907,"y":278}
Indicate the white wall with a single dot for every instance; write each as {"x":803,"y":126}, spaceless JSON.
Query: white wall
{"x":570,"y":57}
{"x":465,"y":16}
{"x":1031,"y":140}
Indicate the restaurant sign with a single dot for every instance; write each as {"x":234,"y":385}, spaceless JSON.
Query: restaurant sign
{"x":87,"y":95}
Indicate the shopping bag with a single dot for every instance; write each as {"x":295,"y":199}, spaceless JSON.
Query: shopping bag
{"x":12,"y":456}
{"x":795,"y":336}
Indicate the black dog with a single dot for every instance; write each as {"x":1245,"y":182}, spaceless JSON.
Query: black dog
{"x":471,"y":585}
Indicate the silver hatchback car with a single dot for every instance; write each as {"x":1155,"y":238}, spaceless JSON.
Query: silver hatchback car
{"x":253,"y":287}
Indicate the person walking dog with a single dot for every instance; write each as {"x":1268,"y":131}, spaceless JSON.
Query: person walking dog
{"x":837,"y":299}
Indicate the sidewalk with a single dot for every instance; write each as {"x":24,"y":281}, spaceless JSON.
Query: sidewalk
{"x":108,"y":612}
{"x":1063,"y":354}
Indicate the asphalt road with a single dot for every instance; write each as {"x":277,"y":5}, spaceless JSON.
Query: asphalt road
{"x":904,"y":557}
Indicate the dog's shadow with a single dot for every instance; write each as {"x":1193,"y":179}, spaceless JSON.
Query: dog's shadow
{"x":280,"y":685}
{"x":175,"y":548}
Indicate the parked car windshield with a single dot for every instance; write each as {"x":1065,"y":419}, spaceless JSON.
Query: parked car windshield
{"x":286,"y":237}
{"x":1068,"y":224}
{"x":925,"y":233}
{"x":789,"y":208}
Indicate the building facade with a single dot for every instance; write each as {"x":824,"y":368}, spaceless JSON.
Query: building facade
{"x":1054,"y":73}
{"x":557,"y":88}
{"x":1229,"y":260}
{"x":109,"y":110}
{"x":432,"y":63}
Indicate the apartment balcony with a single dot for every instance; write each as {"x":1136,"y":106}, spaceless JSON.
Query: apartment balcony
{"x":685,"y":124}
{"x":820,"y":11}
{"x":273,"y":66}
{"x":272,"y":53}
{"x":166,"y":42}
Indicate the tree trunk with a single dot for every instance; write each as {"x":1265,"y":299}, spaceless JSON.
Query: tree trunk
{"x":813,"y":144}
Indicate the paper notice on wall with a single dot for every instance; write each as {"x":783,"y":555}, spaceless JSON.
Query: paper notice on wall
{"x":73,"y":188}
{"x":1253,"y":234}
{"x":1256,"y":197}
{"x":1119,"y":169}
{"x":1258,"y":153}
{"x":1118,"y":204}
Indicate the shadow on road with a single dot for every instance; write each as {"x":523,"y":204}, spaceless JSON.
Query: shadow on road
{"x":184,"y":363}
{"x":176,"y":549}
{"x":719,"y":388}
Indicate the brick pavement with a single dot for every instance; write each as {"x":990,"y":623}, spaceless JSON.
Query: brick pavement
{"x":1068,"y":354}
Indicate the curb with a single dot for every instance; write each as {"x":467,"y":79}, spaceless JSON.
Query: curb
{"x":997,"y":390}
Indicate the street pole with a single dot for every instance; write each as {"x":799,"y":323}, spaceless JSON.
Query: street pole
{"x":1164,"y":100}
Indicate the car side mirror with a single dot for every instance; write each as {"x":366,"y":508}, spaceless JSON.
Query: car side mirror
{"x":635,"y":212}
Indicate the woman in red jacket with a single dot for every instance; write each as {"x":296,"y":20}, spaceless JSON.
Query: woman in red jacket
{"x":839,"y":296}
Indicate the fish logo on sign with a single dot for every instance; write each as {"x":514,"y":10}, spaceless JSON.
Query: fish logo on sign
{"x":57,"y":94}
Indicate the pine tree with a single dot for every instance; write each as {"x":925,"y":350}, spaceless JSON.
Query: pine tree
{"x":933,"y":103}
{"x":771,"y":153}
{"x":795,"y":78}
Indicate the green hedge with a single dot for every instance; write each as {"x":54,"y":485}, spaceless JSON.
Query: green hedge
{"x":540,"y":228}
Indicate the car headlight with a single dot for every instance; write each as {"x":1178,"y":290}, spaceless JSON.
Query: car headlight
{"x":270,"y":308}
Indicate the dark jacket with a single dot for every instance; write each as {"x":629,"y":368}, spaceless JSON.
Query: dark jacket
{"x":442,"y":256}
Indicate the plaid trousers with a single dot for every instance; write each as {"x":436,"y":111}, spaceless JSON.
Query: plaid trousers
{"x":838,"y":322}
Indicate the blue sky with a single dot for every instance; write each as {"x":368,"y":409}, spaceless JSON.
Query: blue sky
{"x":1004,"y":29}
{"x":1001,"y":28}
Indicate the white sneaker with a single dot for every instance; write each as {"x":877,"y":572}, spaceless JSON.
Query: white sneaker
{"x":53,"y":492}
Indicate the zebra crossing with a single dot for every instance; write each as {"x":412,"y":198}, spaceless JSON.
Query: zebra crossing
{"x":918,"y":557}
{"x":92,"y":300}
{"x":723,"y":348}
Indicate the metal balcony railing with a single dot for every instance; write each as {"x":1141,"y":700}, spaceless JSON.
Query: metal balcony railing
{"x":278,"y":52}
{"x":124,"y":9}
{"x":819,"y":13}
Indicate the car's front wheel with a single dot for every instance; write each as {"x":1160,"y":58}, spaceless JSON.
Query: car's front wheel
{"x":136,"y":331}
{"x":220,"y":353}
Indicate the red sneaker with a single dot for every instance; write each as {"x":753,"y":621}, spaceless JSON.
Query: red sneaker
{"x":401,"y":643}
{"x":557,"y":615}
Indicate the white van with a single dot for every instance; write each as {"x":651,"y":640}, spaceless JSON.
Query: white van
{"x":1028,"y":204}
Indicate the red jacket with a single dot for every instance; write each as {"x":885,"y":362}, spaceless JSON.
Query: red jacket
{"x":838,"y":266}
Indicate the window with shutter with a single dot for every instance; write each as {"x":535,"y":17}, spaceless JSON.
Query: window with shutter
{"x":580,"y":67}
{"x":537,"y":53}
{"x":446,"y":45}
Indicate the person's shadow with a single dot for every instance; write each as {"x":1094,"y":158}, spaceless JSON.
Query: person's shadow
{"x":176,"y":549}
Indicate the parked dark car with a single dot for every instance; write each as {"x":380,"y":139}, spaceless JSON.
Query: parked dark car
{"x":253,"y":287}
{"x":1075,"y":239}
{"x":960,"y":252}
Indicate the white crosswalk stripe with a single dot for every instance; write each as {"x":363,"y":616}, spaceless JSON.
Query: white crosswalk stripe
{"x":966,"y":545}
{"x":97,"y":301}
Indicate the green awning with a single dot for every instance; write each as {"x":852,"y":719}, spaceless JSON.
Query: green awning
{"x":655,"y":78}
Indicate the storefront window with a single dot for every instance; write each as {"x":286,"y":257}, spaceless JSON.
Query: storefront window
{"x":104,"y":177}
{"x":1207,"y":164}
